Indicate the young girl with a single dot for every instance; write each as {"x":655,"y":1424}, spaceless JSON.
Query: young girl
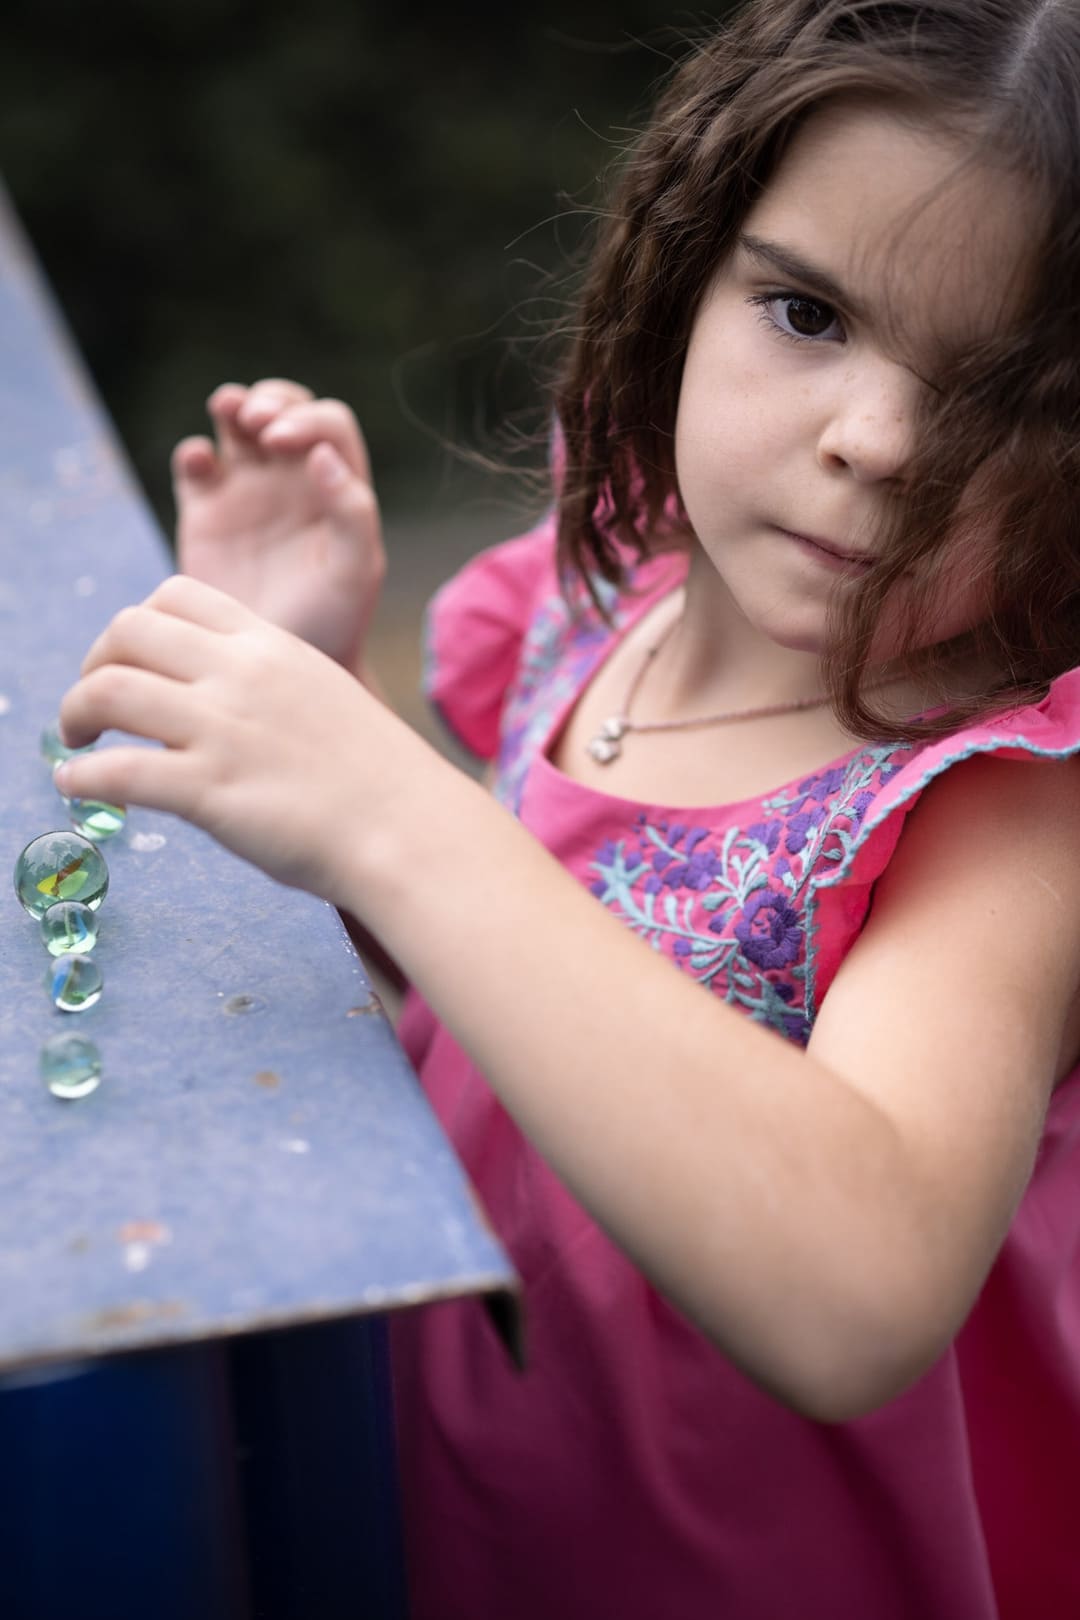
{"x":751,"y":999}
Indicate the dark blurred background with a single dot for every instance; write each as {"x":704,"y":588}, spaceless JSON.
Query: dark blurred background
{"x":375,"y":200}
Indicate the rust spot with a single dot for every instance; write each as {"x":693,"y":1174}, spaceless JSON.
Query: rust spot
{"x":235,"y":1005}
{"x":268,"y":1079}
{"x":79,"y":1245}
{"x":367,"y":1009}
{"x":144,"y":1232}
{"x":140,"y":1310}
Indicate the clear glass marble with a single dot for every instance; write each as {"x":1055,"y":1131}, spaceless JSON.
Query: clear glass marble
{"x":53,"y":750}
{"x":94,"y":818}
{"x":69,"y":928}
{"x":60,"y":866}
{"x":74,"y":982}
{"x":70,"y":1066}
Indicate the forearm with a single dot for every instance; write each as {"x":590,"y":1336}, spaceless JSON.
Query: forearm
{"x":773,"y":1186}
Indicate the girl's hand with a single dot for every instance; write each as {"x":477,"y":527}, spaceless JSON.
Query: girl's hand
{"x":280,"y":513}
{"x":269,"y":745}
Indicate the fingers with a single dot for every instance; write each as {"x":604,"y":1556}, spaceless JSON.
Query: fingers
{"x":185,"y":597}
{"x":195,"y":461}
{"x":152,"y":638}
{"x":151,"y":777}
{"x":297,"y":428}
{"x":117,"y":697}
{"x":237,"y":412}
{"x":267,"y":399}
{"x":173,"y":632}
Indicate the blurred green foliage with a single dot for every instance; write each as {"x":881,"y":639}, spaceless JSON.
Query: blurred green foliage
{"x":364,"y":197}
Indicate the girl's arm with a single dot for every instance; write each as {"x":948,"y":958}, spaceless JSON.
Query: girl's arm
{"x":826,"y":1216}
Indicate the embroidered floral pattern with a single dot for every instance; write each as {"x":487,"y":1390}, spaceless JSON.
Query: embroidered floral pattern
{"x":730,"y":904}
{"x":560,"y":646}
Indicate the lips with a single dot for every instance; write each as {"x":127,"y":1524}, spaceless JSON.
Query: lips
{"x":834,"y":552}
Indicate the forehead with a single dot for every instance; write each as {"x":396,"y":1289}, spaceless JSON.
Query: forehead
{"x":926,"y":238}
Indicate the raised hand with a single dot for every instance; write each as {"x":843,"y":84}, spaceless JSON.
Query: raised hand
{"x":269,"y":745}
{"x":279,"y":511}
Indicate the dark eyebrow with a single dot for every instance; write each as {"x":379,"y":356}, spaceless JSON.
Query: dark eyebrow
{"x":789,"y":263}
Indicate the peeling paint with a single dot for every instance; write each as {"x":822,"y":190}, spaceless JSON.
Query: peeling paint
{"x":140,"y":1310}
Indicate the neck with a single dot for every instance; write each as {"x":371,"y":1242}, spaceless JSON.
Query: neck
{"x":714,"y":658}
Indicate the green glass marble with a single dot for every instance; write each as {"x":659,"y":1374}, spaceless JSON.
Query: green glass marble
{"x":74,"y":982}
{"x":60,"y":866}
{"x":53,"y":750}
{"x":95,"y":819}
{"x":70,"y":1066}
{"x":69,"y":928}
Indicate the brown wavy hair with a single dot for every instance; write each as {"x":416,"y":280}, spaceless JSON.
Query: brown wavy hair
{"x":1006,"y":73}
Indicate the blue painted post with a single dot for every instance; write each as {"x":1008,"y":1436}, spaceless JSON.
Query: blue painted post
{"x":257,"y":1181}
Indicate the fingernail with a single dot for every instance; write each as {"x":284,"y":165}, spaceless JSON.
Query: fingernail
{"x":61,"y":773}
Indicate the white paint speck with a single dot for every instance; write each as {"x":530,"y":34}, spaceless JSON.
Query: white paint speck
{"x":137,"y":1256}
{"x":146,"y":843}
{"x":295,"y":1144}
{"x":5,"y":704}
{"x":85,"y":585}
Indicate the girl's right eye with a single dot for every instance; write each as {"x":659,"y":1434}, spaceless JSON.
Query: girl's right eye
{"x":799,"y":318}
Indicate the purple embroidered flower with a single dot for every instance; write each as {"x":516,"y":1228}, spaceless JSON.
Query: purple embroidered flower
{"x":799,"y":829}
{"x":860,"y":804}
{"x":821,"y":787}
{"x":607,"y":854}
{"x":767,"y":833}
{"x":768,"y":930}
{"x":697,"y":873}
{"x":682,"y":947}
{"x":694,"y":839}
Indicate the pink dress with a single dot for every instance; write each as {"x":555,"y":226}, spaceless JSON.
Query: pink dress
{"x":631,"y":1473}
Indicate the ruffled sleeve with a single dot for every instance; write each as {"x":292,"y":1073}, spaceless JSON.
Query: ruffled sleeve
{"x":473,"y":634}
{"x":840,"y":896}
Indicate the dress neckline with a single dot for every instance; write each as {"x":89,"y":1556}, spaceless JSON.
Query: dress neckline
{"x":630,"y":613}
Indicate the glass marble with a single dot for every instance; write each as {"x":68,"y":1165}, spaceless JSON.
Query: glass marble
{"x":70,"y":1066}
{"x":69,"y":928}
{"x":53,"y":750}
{"x":74,"y":982}
{"x":94,"y":818}
{"x":60,"y":866}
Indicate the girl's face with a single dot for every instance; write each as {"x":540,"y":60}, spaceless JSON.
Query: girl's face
{"x":868,"y":257}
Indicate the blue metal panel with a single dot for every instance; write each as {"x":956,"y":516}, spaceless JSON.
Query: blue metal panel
{"x":259,"y":1152}
{"x":258,"y":1156}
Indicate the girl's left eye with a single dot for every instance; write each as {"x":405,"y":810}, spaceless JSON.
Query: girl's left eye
{"x":801,"y":319}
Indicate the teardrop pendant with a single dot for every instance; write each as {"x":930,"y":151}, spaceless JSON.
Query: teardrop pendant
{"x":606,"y":745}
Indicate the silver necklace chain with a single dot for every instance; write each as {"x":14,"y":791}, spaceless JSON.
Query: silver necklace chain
{"x":606,"y":746}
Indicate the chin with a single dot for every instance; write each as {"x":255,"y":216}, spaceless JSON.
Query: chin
{"x":794,"y":636}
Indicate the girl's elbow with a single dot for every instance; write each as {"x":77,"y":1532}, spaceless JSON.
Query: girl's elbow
{"x":854,"y":1365}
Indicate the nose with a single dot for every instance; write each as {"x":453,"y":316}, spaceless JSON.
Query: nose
{"x":870,"y":429}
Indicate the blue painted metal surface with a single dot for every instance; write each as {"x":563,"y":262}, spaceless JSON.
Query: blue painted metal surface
{"x":258,"y":1156}
{"x":259,"y":1152}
